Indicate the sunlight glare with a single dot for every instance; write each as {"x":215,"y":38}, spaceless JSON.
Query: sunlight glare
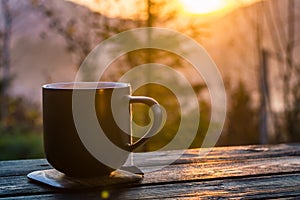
{"x":203,"y":6}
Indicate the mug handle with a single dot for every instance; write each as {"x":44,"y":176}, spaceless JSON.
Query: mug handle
{"x":157,"y":119}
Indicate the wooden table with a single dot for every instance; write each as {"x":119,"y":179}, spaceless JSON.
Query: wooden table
{"x":226,"y":172}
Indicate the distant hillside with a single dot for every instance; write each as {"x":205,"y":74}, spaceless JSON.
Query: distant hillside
{"x":39,"y":52}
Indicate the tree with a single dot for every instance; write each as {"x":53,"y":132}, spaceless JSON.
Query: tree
{"x":162,"y":13}
{"x":80,"y":41}
{"x":281,"y":25}
{"x":5,"y":58}
{"x":242,"y":119}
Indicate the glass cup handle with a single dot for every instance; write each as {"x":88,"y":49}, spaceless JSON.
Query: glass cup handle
{"x":157,"y":119}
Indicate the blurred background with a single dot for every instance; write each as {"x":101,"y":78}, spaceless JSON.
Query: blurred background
{"x":253,"y":42}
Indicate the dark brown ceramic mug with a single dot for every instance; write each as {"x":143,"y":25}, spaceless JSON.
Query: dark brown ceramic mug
{"x":87,"y":126}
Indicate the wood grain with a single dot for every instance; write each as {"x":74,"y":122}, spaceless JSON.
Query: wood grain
{"x":270,"y":171}
{"x":254,"y":187}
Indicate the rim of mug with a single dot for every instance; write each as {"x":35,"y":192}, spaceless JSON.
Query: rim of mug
{"x":85,"y":85}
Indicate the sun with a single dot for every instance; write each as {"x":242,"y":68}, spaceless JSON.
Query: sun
{"x":203,"y":6}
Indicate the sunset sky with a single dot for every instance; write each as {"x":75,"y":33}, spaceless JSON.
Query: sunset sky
{"x":128,"y":8}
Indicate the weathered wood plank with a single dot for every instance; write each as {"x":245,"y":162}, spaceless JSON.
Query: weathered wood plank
{"x":218,"y":154}
{"x":255,"y":187}
{"x":200,"y":171}
{"x":22,"y":167}
{"x":181,"y":173}
{"x":221,"y":165}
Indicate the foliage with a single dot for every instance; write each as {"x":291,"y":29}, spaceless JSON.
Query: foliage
{"x":20,"y":125}
{"x":284,"y":23}
{"x":20,"y":130}
{"x":20,"y":145}
{"x":169,"y":102}
{"x":242,"y":125}
{"x":162,"y":94}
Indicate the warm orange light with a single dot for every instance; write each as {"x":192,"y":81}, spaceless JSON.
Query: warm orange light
{"x":203,"y":6}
